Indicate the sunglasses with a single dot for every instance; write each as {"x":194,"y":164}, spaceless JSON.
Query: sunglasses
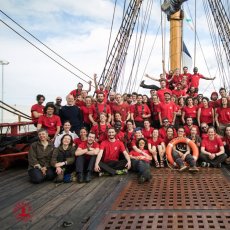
{"x":204,"y":127}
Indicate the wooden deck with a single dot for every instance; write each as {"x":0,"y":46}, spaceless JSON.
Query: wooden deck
{"x":107,"y":201}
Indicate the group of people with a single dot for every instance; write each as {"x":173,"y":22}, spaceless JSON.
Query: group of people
{"x":112,"y":133}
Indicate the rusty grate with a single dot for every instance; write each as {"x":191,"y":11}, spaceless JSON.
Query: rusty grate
{"x":208,"y":189}
{"x":185,"y":220}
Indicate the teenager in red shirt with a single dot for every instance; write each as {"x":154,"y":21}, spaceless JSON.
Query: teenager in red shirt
{"x":108,"y":156}
{"x":157,"y":145}
{"x":85,"y":158}
{"x":212,"y":150}
{"x":223,"y":115}
{"x":205,"y":113}
{"x":147,"y":130}
{"x":50,"y":122}
{"x":37,"y":109}
{"x":140,"y":161}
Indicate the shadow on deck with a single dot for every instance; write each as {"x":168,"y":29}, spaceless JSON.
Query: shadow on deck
{"x":170,"y":201}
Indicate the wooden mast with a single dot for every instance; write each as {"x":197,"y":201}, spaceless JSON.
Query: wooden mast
{"x":175,"y":40}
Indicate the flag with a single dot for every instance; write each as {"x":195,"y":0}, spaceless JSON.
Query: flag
{"x":186,"y":57}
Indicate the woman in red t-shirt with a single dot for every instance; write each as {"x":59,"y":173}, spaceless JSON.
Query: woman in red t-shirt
{"x":212,"y":150}
{"x":140,"y":161}
{"x":205,"y":113}
{"x":85,"y":111}
{"x":157,"y":145}
{"x":82,"y":138}
{"x":190,"y":110}
{"x":226,"y":141}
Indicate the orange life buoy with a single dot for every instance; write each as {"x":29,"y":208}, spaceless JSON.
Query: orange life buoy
{"x":192,"y":145}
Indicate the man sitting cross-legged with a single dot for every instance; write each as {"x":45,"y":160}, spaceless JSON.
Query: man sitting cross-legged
{"x":108,"y":156}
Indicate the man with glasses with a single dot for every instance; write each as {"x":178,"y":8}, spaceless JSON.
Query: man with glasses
{"x":204,"y":130}
{"x":162,"y":130}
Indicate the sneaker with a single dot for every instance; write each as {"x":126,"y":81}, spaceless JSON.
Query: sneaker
{"x":193,"y":169}
{"x":122,"y":172}
{"x":183,"y":168}
{"x":73,"y":177}
{"x":100,"y":174}
{"x":67,"y":178}
{"x":203,"y":164}
{"x":141,"y":179}
{"x":142,"y":83}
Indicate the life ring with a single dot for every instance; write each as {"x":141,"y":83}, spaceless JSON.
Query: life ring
{"x":192,"y":145}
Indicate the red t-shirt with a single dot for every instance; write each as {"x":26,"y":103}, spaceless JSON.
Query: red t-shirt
{"x":75,"y":92}
{"x":85,"y":111}
{"x":177,"y":79}
{"x":190,"y":112}
{"x":78,"y":141}
{"x":101,"y":131}
{"x":147,"y":133}
{"x":178,"y":93}
{"x":79,"y":103}
{"x":160,"y":94}
{"x":120,"y":136}
{"x":111,"y":150}
{"x":194,"y":82}
{"x":155,"y":109}
{"x":187,"y":130}
{"x":84,"y":145}
{"x":167,"y":110}
{"x":226,"y":140}
{"x":105,"y":92}
{"x":98,"y":108}
{"x":139,"y":110}
{"x":123,"y":109}
{"x":162,"y":133}
{"x":155,"y":143}
{"x":36,"y":108}
{"x":212,"y":146}
{"x":50,"y":123}
{"x":223,"y":115}
{"x":137,"y":154}
{"x":206,"y":115}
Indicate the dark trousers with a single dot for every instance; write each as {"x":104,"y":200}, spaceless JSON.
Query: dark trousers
{"x":188,"y":159}
{"x":37,"y":177}
{"x":85,"y":163}
{"x":214,"y":162}
{"x":139,"y":166}
{"x":68,"y":168}
{"x":156,"y":124}
{"x":112,"y":166}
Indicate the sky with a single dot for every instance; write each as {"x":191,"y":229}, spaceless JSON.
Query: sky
{"x":79,"y":32}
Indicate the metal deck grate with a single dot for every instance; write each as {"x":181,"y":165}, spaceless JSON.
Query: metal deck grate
{"x":209,"y":190}
{"x":213,"y":220}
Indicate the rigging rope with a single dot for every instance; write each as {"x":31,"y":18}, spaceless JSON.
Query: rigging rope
{"x":43,"y":51}
{"x":44,"y":44}
{"x":195,"y":38}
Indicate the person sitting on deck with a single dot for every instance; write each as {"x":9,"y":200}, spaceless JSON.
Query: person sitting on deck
{"x":85,"y":158}
{"x":50,"y":121}
{"x":226,"y":142}
{"x":108,"y":156}
{"x":182,"y":153}
{"x":37,"y":109}
{"x":140,"y":161}
{"x":63,"y":159}
{"x":39,"y":159}
{"x":212,"y":150}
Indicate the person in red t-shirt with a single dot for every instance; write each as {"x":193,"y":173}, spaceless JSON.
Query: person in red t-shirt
{"x":155,"y":108}
{"x":147,"y":131}
{"x":119,"y":134}
{"x":162,"y":91}
{"x":186,"y":74}
{"x":83,"y":137}
{"x":189,"y":111}
{"x":139,"y":112}
{"x":170,"y":134}
{"x":129,"y":135}
{"x":212,"y":150}
{"x":157,"y":145}
{"x":85,"y":111}
{"x":194,"y":81}
{"x":189,"y":125}
{"x":163,"y":129}
{"x":223,"y":115}
{"x":140,"y":161}
{"x":99,"y":107}
{"x":168,"y":109}
{"x":85,"y":158}
{"x":101,"y":128}
{"x":108,"y":156}
{"x":77,"y":92}
{"x":178,"y":92}
{"x":223,"y":93}
{"x":121,"y":107}
{"x":205,"y":113}
{"x":79,"y":101}
{"x":37,"y":109}
{"x":213,"y":102}
{"x":50,"y":121}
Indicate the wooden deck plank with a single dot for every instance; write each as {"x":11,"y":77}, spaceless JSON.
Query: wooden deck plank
{"x":88,"y":197}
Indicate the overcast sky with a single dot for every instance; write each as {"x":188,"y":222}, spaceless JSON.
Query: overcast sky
{"x":79,"y":31}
